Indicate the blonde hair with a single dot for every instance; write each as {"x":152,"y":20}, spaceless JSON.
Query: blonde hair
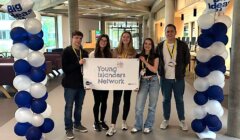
{"x":130,"y":50}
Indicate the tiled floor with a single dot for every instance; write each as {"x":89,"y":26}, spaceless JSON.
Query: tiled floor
{"x":57,"y":103}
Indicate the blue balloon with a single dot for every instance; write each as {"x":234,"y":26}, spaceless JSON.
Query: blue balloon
{"x":216,"y":62}
{"x":221,"y":38}
{"x":219,"y":29}
{"x":215,"y":93}
{"x":20,"y":129}
{"x":21,"y":66}
{"x":206,"y":31}
{"x":23,"y":99}
{"x":19,"y":34}
{"x":40,"y":34}
{"x":47,"y":126}
{"x":25,"y":42}
{"x":37,"y":75}
{"x":33,"y":133}
{"x":223,"y":69}
{"x":35,"y":43}
{"x":217,"y":127}
{"x":205,"y":40}
{"x":198,"y":125}
{"x":43,"y":67}
{"x":38,"y":106}
{"x":200,"y":98}
{"x":202,"y":70}
{"x":211,"y":120}
{"x":44,"y":97}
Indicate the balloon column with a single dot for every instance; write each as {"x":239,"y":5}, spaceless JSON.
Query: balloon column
{"x":210,"y":69}
{"x":33,"y":113}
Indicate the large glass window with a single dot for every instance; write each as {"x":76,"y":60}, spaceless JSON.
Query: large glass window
{"x":49,"y":31}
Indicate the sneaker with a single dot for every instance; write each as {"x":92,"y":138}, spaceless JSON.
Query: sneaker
{"x":104,"y":125}
{"x":69,"y":134}
{"x":183,"y":125}
{"x":97,"y":126}
{"x":111,"y":131}
{"x":81,"y":128}
{"x":124,"y":126}
{"x":164,"y":124}
{"x":147,"y":130}
{"x":135,"y":130}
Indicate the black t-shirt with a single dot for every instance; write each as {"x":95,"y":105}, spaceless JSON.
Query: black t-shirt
{"x":142,"y":65}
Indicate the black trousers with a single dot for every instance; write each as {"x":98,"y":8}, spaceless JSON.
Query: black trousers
{"x":100,"y":98}
{"x":117,"y":94}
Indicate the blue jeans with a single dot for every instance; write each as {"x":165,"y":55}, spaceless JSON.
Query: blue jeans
{"x":177,"y":86}
{"x":147,"y":87}
{"x":72,"y":96}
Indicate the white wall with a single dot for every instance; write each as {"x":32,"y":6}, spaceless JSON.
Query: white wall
{"x":85,"y":26}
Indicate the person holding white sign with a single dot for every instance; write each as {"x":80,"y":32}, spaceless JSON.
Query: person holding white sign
{"x":124,"y":50}
{"x":74,"y":92}
{"x":149,"y":86}
{"x":102,"y":50}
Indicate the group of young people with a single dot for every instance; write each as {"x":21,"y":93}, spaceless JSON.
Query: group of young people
{"x":168,"y":60}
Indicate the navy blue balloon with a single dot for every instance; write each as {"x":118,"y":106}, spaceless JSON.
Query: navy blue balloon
{"x":205,"y":40}
{"x":223,"y":69}
{"x":217,"y":127}
{"x":40,"y":34}
{"x":216,"y":62}
{"x":202,"y":70}
{"x":20,"y":129}
{"x":47,"y":126}
{"x":25,"y":42}
{"x":206,"y":31}
{"x":33,"y":133}
{"x":37,"y":75}
{"x":221,"y":38}
{"x":198,"y":125}
{"x":44,"y":97}
{"x":43,"y":67}
{"x":23,"y":99}
{"x":35,"y":43}
{"x":211,"y":120}
{"x":19,"y":34}
{"x":215,"y":93}
{"x":38,"y":106}
{"x":21,"y":66}
{"x":200,"y":98}
{"x":219,"y":28}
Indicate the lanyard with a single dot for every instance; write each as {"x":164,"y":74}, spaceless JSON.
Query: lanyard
{"x":143,"y":63}
{"x":78,"y":56}
{"x":171,"y":53}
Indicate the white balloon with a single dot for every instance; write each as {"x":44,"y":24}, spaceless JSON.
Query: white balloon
{"x":216,"y":78}
{"x":222,"y":85}
{"x":38,"y":90}
{"x":224,"y":19}
{"x":203,"y":55}
{"x":17,"y":23}
{"x":22,"y":82}
{"x":37,"y":120}
{"x":19,"y":50}
{"x":217,"y":48}
{"x":36,"y":58}
{"x":201,"y":84}
{"x":38,"y":15}
{"x":199,"y":112}
{"x":48,"y":111}
{"x":33,"y":25}
{"x":216,"y":5}
{"x":224,"y":55}
{"x":214,"y":107}
{"x":205,"y":21}
{"x":23,"y":114}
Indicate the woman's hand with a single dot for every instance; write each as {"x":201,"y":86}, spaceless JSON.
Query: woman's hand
{"x":142,"y":59}
{"x":82,"y":61}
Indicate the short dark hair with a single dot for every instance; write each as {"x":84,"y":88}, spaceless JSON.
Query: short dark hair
{"x":171,"y":25}
{"x":77,"y":33}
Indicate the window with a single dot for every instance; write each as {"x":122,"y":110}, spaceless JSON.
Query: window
{"x":49,"y":32}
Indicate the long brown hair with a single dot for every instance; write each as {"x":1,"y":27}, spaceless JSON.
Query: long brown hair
{"x":106,"y":50}
{"x":152,"y":51}
{"x":130,"y":50}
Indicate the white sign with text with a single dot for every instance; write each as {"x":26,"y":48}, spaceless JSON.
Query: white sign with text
{"x":111,"y":74}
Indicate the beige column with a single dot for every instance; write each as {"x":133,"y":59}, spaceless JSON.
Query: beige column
{"x":102,"y":26}
{"x":151,"y":22}
{"x":73,"y":15}
{"x":169,"y":11}
{"x":233,"y":126}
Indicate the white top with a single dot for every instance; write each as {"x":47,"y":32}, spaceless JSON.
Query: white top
{"x":91,"y":55}
{"x":169,"y":71}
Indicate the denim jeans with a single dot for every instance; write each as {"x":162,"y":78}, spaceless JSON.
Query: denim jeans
{"x":147,"y":87}
{"x":73,"y":96}
{"x":177,"y":86}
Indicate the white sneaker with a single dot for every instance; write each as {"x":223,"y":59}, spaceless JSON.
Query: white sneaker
{"x":135,"y":130}
{"x":124,"y":126}
{"x":183,"y":125}
{"x":147,"y":130}
{"x":164,"y":124}
{"x":111,"y":131}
